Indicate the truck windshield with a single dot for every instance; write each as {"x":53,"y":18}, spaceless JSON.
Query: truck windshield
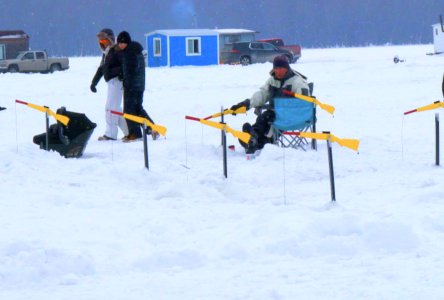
{"x":19,"y":55}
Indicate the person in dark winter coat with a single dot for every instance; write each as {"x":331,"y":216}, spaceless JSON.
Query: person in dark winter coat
{"x":110,"y":68}
{"x":282,"y":78}
{"x":133,"y":64}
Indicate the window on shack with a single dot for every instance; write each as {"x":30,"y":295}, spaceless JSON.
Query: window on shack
{"x":193,"y":46}
{"x":157,"y":47}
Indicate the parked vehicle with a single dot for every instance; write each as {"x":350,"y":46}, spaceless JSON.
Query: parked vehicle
{"x":279,"y":43}
{"x":34,"y":61}
{"x":251,"y":52}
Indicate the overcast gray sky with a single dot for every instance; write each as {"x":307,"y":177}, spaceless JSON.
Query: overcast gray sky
{"x":69,"y":27}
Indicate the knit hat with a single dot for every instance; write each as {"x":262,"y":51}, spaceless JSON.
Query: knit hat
{"x":281,"y":61}
{"x":124,"y":37}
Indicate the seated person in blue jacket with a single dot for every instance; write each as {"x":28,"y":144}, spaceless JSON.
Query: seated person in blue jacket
{"x":282,"y":77}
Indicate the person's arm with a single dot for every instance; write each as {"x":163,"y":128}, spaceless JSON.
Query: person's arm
{"x":97,"y":77}
{"x":261,"y":97}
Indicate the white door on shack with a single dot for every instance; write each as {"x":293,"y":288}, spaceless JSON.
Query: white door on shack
{"x":438,"y":38}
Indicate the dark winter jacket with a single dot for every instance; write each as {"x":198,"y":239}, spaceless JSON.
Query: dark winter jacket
{"x":110,"y":66}
{"x":133,"y":65}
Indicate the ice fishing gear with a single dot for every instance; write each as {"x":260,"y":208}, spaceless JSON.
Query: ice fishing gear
{"x":60,"y":118}
{"x":146,"y":123}
{"x":330,"y":109}
{"x":436,"y":104}
{"x":397,"y":60}
{"x":241,"y":110}
{"x":349,"y":143}
{"x":243,"y":136}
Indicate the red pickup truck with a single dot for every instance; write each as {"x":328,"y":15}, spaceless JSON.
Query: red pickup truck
{"x":279,"y":43}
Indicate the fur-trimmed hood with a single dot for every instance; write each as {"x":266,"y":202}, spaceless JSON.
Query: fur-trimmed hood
{"x":106,"y":34}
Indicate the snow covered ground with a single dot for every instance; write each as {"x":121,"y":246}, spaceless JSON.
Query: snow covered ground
{"x":103,"y":227}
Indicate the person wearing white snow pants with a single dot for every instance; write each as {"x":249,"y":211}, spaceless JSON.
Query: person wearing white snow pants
{"x":113,"y":102}
{"x":111,"y":69}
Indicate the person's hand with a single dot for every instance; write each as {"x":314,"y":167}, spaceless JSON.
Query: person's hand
{"x":236,"y":106}
{"x":245,"y":103}
{"x":93,"y":88}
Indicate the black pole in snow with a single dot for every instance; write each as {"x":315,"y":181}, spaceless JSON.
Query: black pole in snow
{"x":145,"y":146}
{"x":314,"y":144}
{"x":47,"y":129}
{"x":222,"y":122}
{"x":224,"y":142}
{"x":330,"y":164}
{"x":437,"y":137}
{"x":224,"y":145}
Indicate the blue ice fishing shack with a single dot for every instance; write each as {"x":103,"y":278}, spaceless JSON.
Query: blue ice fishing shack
{"x":182,"y":47}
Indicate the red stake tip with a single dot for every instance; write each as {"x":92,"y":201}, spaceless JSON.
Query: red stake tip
{"x":117,"y":113}
{"x":192,"y":118}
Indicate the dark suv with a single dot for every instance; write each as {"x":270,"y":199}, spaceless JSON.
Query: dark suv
{"x":251,"y":52}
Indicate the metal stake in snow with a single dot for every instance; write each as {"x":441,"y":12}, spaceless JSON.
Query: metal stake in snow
{"x":224,"y":144}
{"x":61,"y":118}
{"x":436,"y":104}
{"x":47,"y":129}
{"x":145,"y":123}
{"x":145,"y":146}
{"x":349,"y":143}
{"x":330,"y":166}
{"x":243,"y":136}
{"x":437,"y":138}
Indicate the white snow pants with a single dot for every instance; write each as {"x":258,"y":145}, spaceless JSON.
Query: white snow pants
{"x":114,"y":102}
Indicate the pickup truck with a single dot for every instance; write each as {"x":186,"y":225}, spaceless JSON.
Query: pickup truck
{"x":34,"y":61}
{"x":279,"y":43}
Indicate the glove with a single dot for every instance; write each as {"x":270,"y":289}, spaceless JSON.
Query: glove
{"x":2,"y":108}
{"x":245,"y":103}
{"x":93,"y":88}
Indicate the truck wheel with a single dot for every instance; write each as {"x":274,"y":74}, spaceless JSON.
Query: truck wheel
{"x":13,"y":69}
{"x":245,"y":60}
{"x":54,"y":68}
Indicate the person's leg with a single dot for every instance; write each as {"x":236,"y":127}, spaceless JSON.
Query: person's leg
{"x":122,"y":122}
{"x":131,"y":99}
{"x":262,"y":126}
{"x":113,"y":102}
{"x":141,"y":111}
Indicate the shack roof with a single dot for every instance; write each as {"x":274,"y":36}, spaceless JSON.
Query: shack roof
{"x":191,"y":32}
{"x":13,"y":34}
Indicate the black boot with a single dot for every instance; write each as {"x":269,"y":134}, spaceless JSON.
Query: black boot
{"x":252,"y":145}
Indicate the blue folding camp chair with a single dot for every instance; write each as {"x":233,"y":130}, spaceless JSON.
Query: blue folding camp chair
{"x":293,"y":115}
